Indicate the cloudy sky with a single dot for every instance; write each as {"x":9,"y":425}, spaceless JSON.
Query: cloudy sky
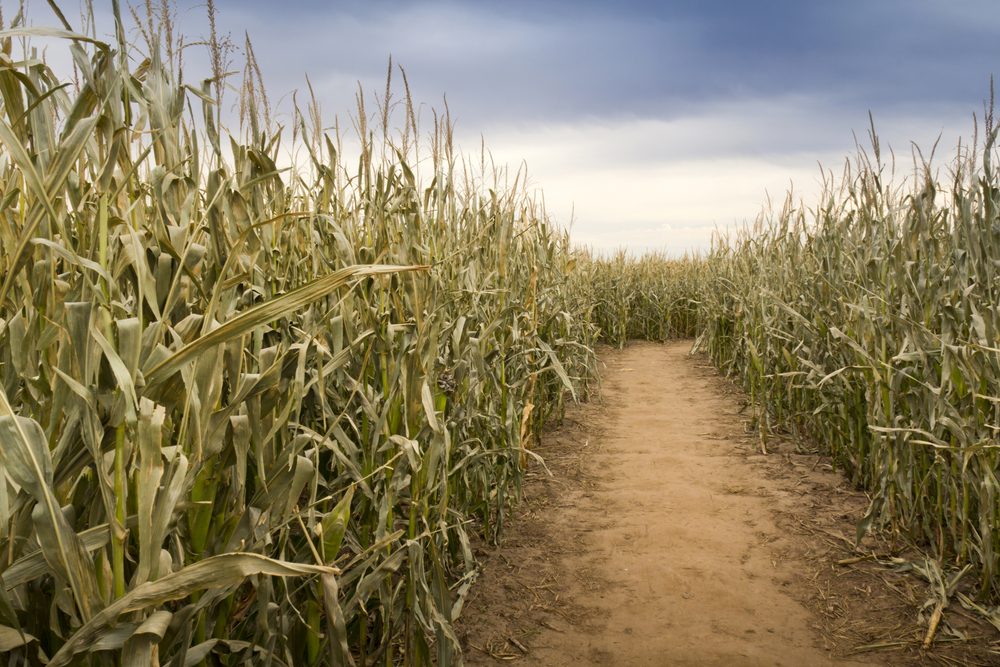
{"x":648,"y":123}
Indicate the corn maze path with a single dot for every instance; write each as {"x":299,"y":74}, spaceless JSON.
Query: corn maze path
{"x":658,"y":546}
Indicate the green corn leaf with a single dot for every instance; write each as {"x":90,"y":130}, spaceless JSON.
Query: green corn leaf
{"x":214,"y":572}
{"x":266,"y":312}
{"x":334,"y":526}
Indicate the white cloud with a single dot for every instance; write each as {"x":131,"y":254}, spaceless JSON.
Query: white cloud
{"x":668,"y":184}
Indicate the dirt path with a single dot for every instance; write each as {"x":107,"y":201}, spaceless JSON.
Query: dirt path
{"x":661,"y":545}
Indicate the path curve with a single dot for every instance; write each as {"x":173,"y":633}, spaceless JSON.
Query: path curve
{"x":671,"y":554}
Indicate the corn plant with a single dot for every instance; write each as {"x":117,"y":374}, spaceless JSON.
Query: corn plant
{"x":650,"y":297}
{"x":870,"y":324}
{"x":254,"y":414}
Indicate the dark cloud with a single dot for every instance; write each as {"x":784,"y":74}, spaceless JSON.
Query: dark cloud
{"x":637,"y":111}
{"x":529,"y":61}
{"x":537,"y":61}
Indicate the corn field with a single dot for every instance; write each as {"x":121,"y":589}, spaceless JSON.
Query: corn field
{"x":651,"y":297}
{"x":871,"y":324}
{"x":251,"y":413}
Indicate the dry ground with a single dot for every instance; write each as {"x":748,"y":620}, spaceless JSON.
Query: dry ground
{"x":665,"y":537}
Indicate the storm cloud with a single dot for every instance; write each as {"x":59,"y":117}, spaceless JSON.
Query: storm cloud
{"x":651,"y":123}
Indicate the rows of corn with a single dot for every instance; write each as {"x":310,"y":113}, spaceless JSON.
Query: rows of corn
{"x":647,"y":297}
{"x":262,"y":413}
{"x":871,"y":324}
{"x":253,"y":414}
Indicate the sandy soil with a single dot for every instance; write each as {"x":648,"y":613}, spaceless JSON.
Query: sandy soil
{"x":664,"y":537}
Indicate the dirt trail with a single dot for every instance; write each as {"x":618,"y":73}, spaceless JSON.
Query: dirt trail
{"x":662,"y":547}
